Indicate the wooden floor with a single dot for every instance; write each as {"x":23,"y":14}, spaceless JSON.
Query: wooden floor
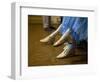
{"x":40,"y":54}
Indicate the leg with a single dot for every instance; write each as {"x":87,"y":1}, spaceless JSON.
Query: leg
{"x":51,"y":37}
{"x":65,"y":52}
{"x":47,"y":23}
{"x":57,"y":31}
{"x":68,"y":47}
{"x":62,"y":39}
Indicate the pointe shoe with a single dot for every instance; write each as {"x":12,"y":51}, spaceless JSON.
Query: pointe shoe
{"x":65,"y":52}
{"x":59,"y":42}
{"x":48,"y":40}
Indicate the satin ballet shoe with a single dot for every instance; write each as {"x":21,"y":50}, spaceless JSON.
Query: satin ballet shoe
{"x":65,"y":52}
{"x":58,"y":43}
{"x":48,"y":40}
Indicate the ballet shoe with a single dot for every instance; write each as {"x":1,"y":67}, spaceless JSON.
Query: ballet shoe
{"x":58,"y":43}
{"x":65,"y":52}
{"x":48,"y":40}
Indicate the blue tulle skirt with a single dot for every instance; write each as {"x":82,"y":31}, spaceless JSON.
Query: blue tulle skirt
{"x":78,"y":26}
